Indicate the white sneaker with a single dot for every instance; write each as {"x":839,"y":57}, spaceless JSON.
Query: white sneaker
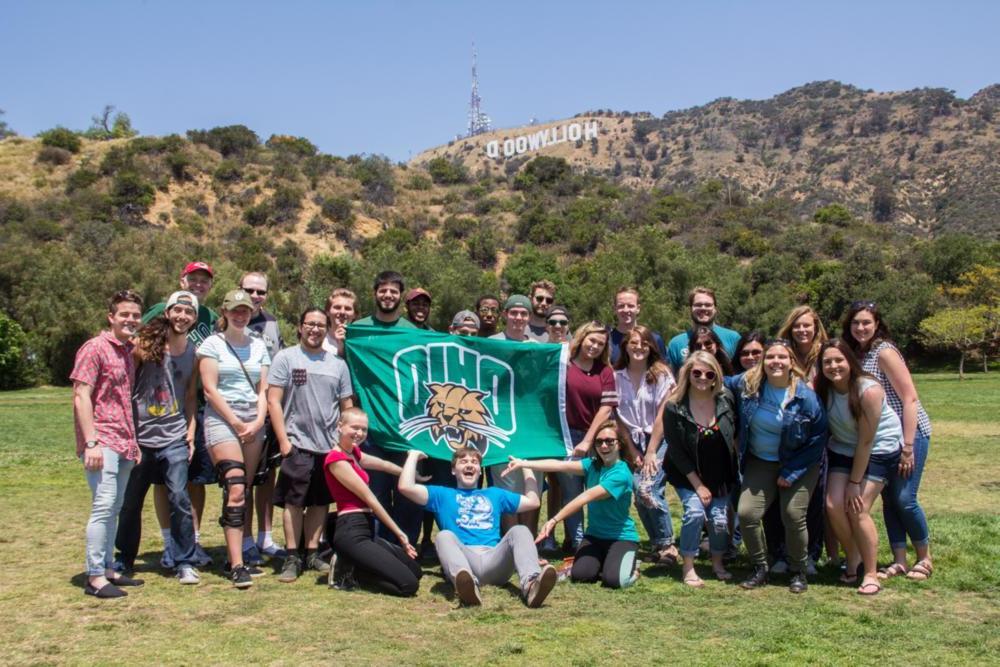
{"x":188,"y":575}
{"x":811,"y":568}
{"x":779,"y":567}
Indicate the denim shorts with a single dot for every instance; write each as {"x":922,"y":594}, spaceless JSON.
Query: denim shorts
{"x":880,"y":466}
{"x":218,"y":431}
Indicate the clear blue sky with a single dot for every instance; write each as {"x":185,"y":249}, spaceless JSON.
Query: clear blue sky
{"x":393,"y":77}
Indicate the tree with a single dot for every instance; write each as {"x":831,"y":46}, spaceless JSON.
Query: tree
{"x":883,"y":199}
{"x":446,"y":172}
{"x":15,"y":364}
{"x":833,"y":214}
{"x":961,"y":329}
{"x":110,"y":125}
{"x":230,"y":140}
{"x":61,"y":137}
{"x":5,"y":130}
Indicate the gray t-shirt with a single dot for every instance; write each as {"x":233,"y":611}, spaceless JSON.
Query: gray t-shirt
{"x":538,"y":334}
{"x":158,"y":399}
{"x":314,"y":383}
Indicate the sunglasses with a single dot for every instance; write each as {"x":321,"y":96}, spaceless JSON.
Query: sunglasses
{"x":544,"y":299}
{"x":863,"y":305}
{"x":698,"y":373}
{"x":751,"y":353}
{"x":557,"y":323}
{"x":250,"y":290}
{"x":704,"y":345}
{"x":606,"y":441}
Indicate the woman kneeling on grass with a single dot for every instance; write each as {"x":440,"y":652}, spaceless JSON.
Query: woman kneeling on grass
{"x":864,"y":450}
{"x":357,"y":552}
{"x":699,"y":422}
{"x":610,"y":540}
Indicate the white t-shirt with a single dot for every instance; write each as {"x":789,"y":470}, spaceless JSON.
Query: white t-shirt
{"x":233,"y":385}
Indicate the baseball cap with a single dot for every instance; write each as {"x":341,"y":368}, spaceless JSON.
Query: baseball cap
{"x":415,"y":292}
{"x":236,"y":298}
{"x":462,"y":316}
{"x":184,"y":297}
{"x":517,"y":301}
{"x":198,"y":266}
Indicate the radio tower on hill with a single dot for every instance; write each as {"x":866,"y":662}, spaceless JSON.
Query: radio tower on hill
{"x":479,"y":122}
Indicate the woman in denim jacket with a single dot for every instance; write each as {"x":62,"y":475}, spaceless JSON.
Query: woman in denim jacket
{"x":782,"y":435}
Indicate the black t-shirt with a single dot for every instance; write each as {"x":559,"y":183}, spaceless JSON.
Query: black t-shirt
{"x":714,"y":461}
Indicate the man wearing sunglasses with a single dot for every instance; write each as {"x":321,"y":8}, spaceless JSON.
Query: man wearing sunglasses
{"x":264,"y":323}
{"x":543,"y":296}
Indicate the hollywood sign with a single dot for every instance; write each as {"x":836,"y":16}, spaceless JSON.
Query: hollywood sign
{"x":548,"y":137}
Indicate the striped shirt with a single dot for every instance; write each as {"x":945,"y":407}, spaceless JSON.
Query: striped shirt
{"x":105,"y":363}
{"x":870,"y":365}
{"x":232,"y":382}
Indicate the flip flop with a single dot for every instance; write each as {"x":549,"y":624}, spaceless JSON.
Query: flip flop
{"x":870,"y":588}
{"x":890,"y":571}
{"x":667,"y":556}
{"x":722,"y":575}
{"x":921,"y":570}
{"x":693,"y":580}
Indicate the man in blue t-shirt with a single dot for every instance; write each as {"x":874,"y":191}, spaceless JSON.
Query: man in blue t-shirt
{"x":468,"y":544}
{"x":703,"y":311}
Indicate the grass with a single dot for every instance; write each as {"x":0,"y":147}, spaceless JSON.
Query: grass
{"x":952,"y":619}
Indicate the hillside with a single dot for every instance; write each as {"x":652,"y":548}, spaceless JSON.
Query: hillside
{"x":930,"y":155}
{"x":771,"y":203}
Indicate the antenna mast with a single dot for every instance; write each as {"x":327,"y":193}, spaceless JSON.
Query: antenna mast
{"x":479,"y":122}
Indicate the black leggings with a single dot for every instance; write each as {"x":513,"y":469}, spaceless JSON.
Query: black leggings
{"x":611,"y":560}
{"x":376,"y":563}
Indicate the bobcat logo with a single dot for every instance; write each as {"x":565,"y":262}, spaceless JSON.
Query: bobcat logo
{"x":457,"y":415}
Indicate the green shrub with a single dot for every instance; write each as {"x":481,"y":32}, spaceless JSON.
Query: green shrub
{"x":257,"y":216}
{"x":228,"y":171}
{"x":230,"y":140}
{"x":131,"y":189}
{"x":80,"y":179}
{"x":338,"y":209}
{"x":833,"y":214}
{"x":447,"y":172}
{"x":418,"y":182}
{"x":376,"y":177}
{"x":16,"y":368}
{"x":60,"y":137}
{"x":297,"y":146}
{"x":456,"y":227}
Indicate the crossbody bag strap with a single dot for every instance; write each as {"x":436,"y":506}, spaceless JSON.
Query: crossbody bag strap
{"x":245,"y":373}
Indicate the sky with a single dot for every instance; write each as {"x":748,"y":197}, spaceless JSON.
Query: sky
{"x":393,"y":77}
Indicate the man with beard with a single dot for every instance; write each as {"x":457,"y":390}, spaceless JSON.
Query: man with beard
{"x":703,"y":312}
{"x":388,"y":294}
{"x":418,"y":308}
{"x":196,"y":277}
{"x":265,"y":324}
{"x":388,"y":290}
{"x":469,"y":544}
{"x":543,"y":296}
{"x":165,"y":401}
{"x":488,"y":309}
{"x":627,"y":309}
{"x":307,"y":389}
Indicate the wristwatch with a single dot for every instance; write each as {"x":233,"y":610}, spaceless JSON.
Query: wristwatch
{"x":92,"y":443}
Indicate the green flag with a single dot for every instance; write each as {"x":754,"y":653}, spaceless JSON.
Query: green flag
{"x":435,"y":392}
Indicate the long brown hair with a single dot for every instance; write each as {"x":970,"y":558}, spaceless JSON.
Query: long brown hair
{"x":655,"y":368}
{"x":585,"y":330}
{"x":824,"y":387}
{"x":805,"y":365}
{"x":752,"y":378}
{"x":615,"y":426}
{"x":151,"y":340}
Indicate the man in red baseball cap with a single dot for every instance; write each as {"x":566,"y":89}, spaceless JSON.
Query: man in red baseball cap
{"x":418,"y":307}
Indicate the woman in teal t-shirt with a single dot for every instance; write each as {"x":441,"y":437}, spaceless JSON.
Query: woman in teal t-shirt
{"x":610,"y":541}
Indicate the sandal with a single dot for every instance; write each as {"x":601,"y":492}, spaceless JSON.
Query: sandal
{"x":851,"y":578}
{"x":890,"y":571}
{"x":667,"y":556}
{"x":693,"y":580}
{"x":921,"y":570}
{"x":870,"y":588}
{"x":723,"y":574}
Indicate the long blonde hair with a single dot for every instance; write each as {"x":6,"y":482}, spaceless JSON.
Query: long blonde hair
{"x":684,"y":375}
{"x":585,"y":330}
{"x":753,"y":377}
{"x":809,"y":363}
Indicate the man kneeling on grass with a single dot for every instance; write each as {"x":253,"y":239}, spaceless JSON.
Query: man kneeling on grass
{"x":469,"y":545}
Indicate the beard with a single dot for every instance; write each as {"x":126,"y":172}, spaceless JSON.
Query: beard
{"x":387,"y":311}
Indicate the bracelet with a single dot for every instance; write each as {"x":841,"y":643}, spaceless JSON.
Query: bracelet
{"x":851,"y":481}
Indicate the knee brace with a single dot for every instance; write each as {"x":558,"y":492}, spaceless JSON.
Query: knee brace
{"x":232,"y":516}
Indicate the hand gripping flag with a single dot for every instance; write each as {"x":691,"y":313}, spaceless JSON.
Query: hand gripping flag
{"x":436,"y":392}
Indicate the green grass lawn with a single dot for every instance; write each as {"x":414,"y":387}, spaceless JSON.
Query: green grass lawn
{"x":954,"y":618}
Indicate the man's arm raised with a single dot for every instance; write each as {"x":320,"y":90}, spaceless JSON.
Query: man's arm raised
{"x":529,"y":501}
{"x":408,"y":485}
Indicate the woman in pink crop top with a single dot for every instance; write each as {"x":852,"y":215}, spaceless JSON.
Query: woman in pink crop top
{"x":358,"y":554}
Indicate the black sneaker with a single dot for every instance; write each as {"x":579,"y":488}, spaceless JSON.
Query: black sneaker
{"x":756,"y":579}
{"x":241,"y":577}
{"x":254,"y":571}
{"x":341,"y":575}
{"x":798,"y":584}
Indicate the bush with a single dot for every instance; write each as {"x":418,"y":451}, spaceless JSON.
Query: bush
{"x":376,"y":177}
{"x":446,"y":172}
{"x":60,"y":137}
{"x":456,"y":227}
{"x":833,"y":214}
{"x":54,"y":156}
{"x":129,"y":189}
{"x":419,"y":182}
{"x":178,"y":163}
{"x":257,"y":216}
{"x":286,"y":203}
{"x":80,"y":179}
{"x":230,"y":140}
{"x":482,"y":247}
{"x":337,"y":209}
{"x":16,"y":367}
{"x":228,"y":171}
{"x":297,"y":146}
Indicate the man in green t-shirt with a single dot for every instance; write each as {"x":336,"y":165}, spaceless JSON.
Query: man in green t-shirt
{"x":197,"y":278}
{"x":388,"y":295}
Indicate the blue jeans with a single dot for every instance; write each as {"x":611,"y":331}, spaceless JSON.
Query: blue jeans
{"x":655,"y":519}
{"x":572,"y":486}
{"x":902,"y":512}
{"x":107,"y":490}
{"x":169,"y":464}
{"x":695,"y":515}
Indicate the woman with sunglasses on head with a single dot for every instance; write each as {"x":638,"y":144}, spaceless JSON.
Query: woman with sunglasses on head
{"x":705,"y":338}
{"x":607,"y":551}
{"x":749,"y":350}
{"x":643,"y":381}
{"x":591,"y":399}
{"x":699,"y":422}
{"x":864,"y":450}
{"x":782,"y":434}
{"x":867,"y":334}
